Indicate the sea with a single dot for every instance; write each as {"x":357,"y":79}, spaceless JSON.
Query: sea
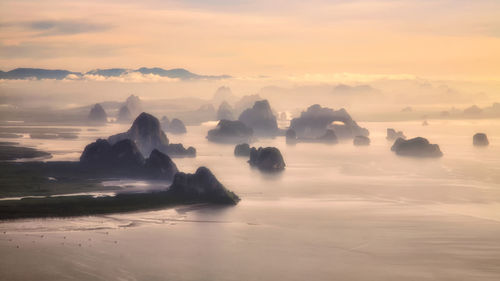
{"x":337,"y":212}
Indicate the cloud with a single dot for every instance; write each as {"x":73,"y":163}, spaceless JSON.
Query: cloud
{"x":49,"y":27}
{"x":128,"y":77}
{"x":440,"y":39}
{"x":346,"y":77}
{"x":64,"y":27}
{"x":43,"y":50}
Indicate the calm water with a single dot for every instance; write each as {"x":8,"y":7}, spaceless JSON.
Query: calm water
{"x":336,"y":213}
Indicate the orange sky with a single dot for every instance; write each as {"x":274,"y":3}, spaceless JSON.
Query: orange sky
{"x":441,"y":39}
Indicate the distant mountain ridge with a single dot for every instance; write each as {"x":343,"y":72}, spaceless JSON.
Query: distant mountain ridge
{"x":40,"y":73}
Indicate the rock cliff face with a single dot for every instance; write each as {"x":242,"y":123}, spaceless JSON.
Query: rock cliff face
{"x":225,"y":112}
{"x":176,"y":127}
{"x":125,"y":153}
{"x":159,"y":165}
{"x":245,"y":102}
{"x":242,"y":150}
{"x":134,"y":104}
{"x":480,"y":139}
{"x":124,"y":115}
{"x":328,"y":137}
{"x":148,"y":135}
{"x":314,"y":122}
{"x":201,"y":186}
{"x":261,"y":119}
{"x":97,"y":115}
{"x":416,"y":147}
{"x":394,"y":135}
{"x":223,"y":94}
{"x":205,"y":112}
{"x":230,"y":132}
{"x":124,"y":159}
{"x":165,"y":122}
{"x":102,"y":154}
{"x":267,"y":159}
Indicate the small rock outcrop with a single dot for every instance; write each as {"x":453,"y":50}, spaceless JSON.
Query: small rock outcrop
{"x":230,"y":132}
{"x":361,"y":141}
{"x":242,"y":149}
{"x":394,"y":135}
{"x":261,"y":119}
{"x":480,"y":139}
{"x":201,"y":186}
{"x":291,"y":136}
{"x":314,"y":122}
{"x":97,"y":115}
{"x":267,"y":159}
{"x":124,"y":115}
{"x":416,"y":147}
{"x":148,"y":135}
{"x":225,"y":112}
{"x":176,"y":127}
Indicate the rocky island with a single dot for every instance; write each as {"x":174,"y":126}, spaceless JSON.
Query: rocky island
{"x":176,"y":126}
{"x":394,"y":135}
{"x":230,"y":132}
{"x":268,"y":159}
{"x":123,"y":159}
{"x":261,"y":119}
{"x":124,"y":115}
{"x":316,"y":120}
{"x":97,"y":115}
{"x":291,"y":136}
{"x":102,"y":161}
{"x":242,"y":149}
{"x":480,"y":139}
{"x":416,"y":147}
{"x":146,"y":132}
{"x":225,"y":112}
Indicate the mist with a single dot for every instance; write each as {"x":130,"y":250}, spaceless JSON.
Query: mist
{"x":250,"y":140}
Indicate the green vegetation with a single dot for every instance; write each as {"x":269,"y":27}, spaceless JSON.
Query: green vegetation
{"x":67,"y":206}
{"x":34,"y":179}
{"x":46,"y":179}
{"x":8,"y":151}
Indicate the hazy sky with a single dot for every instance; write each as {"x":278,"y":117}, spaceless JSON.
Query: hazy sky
{"x":448,"y":39}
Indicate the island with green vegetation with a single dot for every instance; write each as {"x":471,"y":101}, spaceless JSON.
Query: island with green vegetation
{"x":51,"y":189}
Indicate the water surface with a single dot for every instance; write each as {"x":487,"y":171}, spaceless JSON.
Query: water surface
{"x":337,"y":212}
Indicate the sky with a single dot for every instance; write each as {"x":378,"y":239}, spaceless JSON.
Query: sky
{"x":316,"y":40}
